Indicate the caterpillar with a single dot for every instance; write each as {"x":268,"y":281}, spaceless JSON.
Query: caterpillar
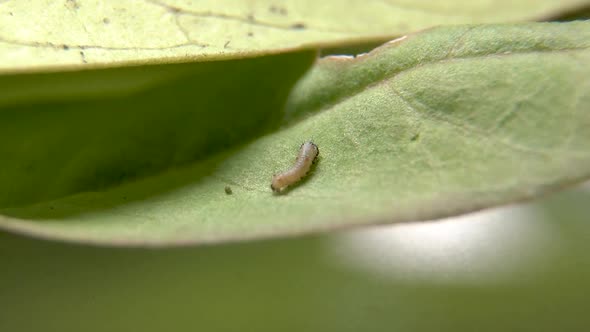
{"x":308,"y":154}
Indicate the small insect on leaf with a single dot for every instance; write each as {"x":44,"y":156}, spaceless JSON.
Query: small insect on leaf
{"x":306,"y":157}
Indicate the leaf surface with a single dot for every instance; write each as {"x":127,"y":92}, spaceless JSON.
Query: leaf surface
{"x":40,"y":33}
{"x":438,"y":123}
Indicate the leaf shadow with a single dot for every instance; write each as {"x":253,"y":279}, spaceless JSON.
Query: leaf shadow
{"x":84,"y":143}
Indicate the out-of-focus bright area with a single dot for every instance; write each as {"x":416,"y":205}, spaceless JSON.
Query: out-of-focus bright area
{"x":517,"y":268}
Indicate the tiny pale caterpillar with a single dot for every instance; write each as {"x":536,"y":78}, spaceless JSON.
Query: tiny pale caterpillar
{"x":308,"y":154}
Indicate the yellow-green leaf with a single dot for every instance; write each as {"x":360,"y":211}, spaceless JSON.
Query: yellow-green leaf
{"x":71,"y":32}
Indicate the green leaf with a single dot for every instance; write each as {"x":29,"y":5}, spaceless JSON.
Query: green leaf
{"x":74,"y":32}
{"x":439,"y":123}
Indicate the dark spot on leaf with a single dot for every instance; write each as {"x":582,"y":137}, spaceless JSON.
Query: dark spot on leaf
{"x":83,"y":57}
{"x":278,"y":10}
{"x":250,"y":17}
{"x":106,"y":20}
{"x":250,"y":34}
{"x":298,"y":26}
{"x":73,"y":4}
{"x":65,"y":47}
{"x":228,"y":190}
{"x":415,"y":137}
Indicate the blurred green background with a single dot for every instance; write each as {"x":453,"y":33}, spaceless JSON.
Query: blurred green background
{"x":523,"y":267}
